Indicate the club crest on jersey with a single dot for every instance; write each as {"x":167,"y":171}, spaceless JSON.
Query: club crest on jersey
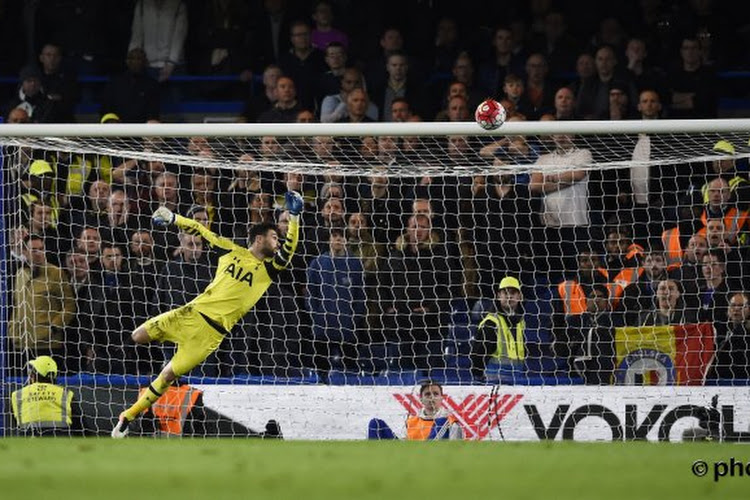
{"x":239,"y":274}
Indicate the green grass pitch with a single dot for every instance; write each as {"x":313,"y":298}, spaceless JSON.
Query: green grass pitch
{"x":138,"y":469}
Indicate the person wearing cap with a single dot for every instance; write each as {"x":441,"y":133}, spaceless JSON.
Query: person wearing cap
{"x":41,"y":187}
{"x":500,"y":337}
{"x":726,"y":168}
{"x":43,"y":408}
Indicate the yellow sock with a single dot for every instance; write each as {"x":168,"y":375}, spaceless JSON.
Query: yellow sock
{"x":149,"y":397}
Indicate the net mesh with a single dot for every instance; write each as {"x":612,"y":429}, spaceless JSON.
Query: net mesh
{"x":625,"y":249}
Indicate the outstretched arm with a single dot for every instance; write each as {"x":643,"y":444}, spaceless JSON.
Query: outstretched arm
{"x":283,"y":257}
{"x":164,"y":216}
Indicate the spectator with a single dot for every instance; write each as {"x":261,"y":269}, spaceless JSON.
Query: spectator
{"x":458,"y":110}
{"x":380,"y":203}
{"x":160,"y":29}
{"x":110,"y":336}
{"x":539,"y":93}
{"x":432,"y":421}
{"x":42,"y":408}
{"x":219,"y":42}
{"x":463,"y":72}
{"x":357,"y":107}
{"x":32,"y":98}
{"x":133,"y":95}
{"x":637,"y":287}
{"x":332,"y":215}
{"x":286,"y":107}
{"x":643,"y":74}
{"x":572,"y":297}
{"x":447,"y":46}
{"x":585,"y":70}
{"x":18,"y":115}
{"x":336,"y":301}
{"x":270,"y":34}
{"x":143,"y":268}
{"x":592,"y":101}
{"x":727,"y":169}
{"x":419,"y":276}
{"x":565,"y":104}
{"x":91,"y":33}
{"x":205,"y":194}
{"x":556,"y":44}
{"x":303,"y":64}
{"x":119,"y":223}
{"x":501,"y":335}
{"x":717,"y":237}
{"x":400,"y":110}
{"x":670,"y":308}
{"x":733,"y":342}
{"x":258,"y":102}
{"x":503,"y":61}
{"x":592,"y":335}
{"x":59,"y":85}
{"x":502,"y":222}
{"x":398,"y":84}
{"x":166,"y":191}
{"x":692,"y":85}
{"x":721,"y":205}
{"x":564,"y":194}
{"x":619,"y":102}
{"x":329,"y":82}
{"x":391,"y":41}
{"x":456,"y":89}
{"x":89,"y":242}
{"x":41,"y":224}
{"x":676,"y":238}
{"x":183,"y":278}
{"x":714,"y":293}
{"x":324,"y":34}
{"x":43,"y":305}
{"x":690,"y":270}
{"x":334,"y":107}
{"x":622,"y":252}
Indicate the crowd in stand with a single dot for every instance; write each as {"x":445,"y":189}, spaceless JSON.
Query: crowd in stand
{"x":385,"y":263}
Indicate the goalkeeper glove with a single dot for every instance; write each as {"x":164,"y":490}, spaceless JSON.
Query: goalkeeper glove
{"x":294,"y":202}
{"x":162,"y":216}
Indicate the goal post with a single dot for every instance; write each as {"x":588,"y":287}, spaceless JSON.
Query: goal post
{"x":415,"y":238}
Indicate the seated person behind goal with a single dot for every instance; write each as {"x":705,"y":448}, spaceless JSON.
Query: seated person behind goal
{"x":431,"y":423}
{"x":243,"y":276}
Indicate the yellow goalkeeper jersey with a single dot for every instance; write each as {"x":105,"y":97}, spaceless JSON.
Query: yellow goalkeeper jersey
{"x":241,"y":278}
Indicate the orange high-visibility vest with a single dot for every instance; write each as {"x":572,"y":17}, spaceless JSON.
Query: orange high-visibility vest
{"x":622,"y":280}
{"x":734,"y":221}
{"x":670,"y":239}
{"x":419,"y":429}
{"x":572,"y":295}
{"x":173,"y":407}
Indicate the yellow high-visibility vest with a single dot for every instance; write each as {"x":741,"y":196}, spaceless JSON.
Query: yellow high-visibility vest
{"x":42,"y":406}
{"x":510,"y":345}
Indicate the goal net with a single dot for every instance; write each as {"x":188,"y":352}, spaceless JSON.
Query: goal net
{"x":538,"y":254}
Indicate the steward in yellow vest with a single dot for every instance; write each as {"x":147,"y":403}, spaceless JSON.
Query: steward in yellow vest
{"x":501,"y":335}
{"x":43,"y":408}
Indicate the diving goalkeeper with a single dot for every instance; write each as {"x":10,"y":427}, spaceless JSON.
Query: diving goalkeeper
{"x":242,"y":276}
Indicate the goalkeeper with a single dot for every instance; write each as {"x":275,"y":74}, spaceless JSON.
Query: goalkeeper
{"x":243,"y":275}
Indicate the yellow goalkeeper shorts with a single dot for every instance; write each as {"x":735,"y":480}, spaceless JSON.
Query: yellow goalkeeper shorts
{"x":185,"y":327}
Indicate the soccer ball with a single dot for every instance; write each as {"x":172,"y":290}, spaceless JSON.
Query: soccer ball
{"x":490,"y":114}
